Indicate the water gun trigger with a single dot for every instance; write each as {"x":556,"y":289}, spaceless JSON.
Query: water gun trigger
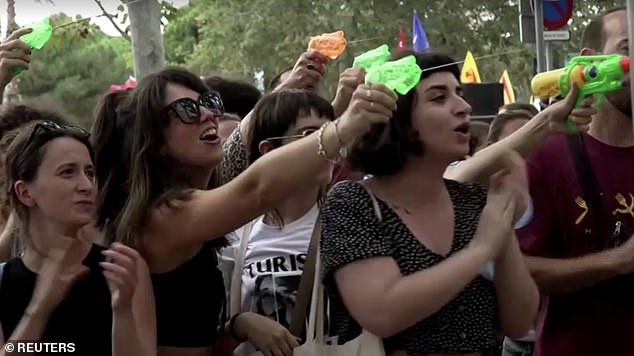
{"x":600,"y":96}
{"x":569,"y":124}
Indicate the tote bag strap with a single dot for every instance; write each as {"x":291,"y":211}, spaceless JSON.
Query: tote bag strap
{"x":316,"y":306}
{"x":375,"y":202}
{"x":238,"y":266}
{"x":315,"y":330}
{"x":305,"y":287}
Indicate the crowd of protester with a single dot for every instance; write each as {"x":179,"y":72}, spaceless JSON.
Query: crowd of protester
{"x":194,"y":215}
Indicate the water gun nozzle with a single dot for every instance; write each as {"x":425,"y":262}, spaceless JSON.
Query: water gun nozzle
{"x":625,"y":64}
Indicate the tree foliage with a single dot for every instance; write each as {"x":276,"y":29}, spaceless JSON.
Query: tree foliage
{"x":76,"y":67}
{"x":242,"y":37}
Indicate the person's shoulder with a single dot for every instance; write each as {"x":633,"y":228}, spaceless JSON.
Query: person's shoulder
{"x":467,"y":188}
{"x":346,"y":189}
{"x":348,"y":198}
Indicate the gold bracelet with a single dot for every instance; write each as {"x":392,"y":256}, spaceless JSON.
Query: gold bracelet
{"x":321,"y":150}
{"x":343,"y":150}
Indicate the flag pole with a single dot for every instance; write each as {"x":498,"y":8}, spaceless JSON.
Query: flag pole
{"x":539,"y":35}
{"x":630,"y":18}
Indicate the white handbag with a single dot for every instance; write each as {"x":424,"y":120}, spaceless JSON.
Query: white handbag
{"x":365,"y":344}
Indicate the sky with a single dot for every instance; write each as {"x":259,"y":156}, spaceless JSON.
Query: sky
{"x":28,"y":11}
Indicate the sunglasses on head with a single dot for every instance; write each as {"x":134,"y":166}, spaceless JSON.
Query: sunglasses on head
{"x":47,"y":127}
{"x":304,"y":133}
{"x":188,"y":110}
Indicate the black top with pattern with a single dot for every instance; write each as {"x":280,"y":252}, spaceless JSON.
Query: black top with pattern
{"x":351,"y":231}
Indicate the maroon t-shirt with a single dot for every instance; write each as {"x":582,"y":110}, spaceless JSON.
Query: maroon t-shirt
{"x":341,"y":173}
{"x":598,"y":320}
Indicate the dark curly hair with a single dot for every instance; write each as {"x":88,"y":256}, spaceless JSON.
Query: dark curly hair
{"x":13,"y":116}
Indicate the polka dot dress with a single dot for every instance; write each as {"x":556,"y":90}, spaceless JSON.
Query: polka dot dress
{"x":352,"y":231}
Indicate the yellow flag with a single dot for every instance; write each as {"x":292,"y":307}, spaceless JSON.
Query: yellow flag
{"x":509,"y":94}
{"x":469,"y":72}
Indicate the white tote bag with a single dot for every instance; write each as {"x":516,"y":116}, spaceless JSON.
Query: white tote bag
{"x":365,"y":344}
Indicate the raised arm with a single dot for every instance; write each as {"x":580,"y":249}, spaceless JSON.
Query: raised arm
{"x":13,"y":54}
{"x":487,"y":161}
{"x":307,"y":73}
{"x":301,"y":164}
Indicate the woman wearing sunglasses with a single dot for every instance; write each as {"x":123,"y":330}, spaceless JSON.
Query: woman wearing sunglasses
{"x":164,"y":209}
{"x":63,"y":288}
{"x":277,"y":242}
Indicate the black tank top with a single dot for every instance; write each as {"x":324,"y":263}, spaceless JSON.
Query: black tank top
{"x":83,"y":318}
{"x":189,"y":300}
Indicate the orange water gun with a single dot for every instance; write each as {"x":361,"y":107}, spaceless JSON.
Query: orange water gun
{"x":331,"y":45}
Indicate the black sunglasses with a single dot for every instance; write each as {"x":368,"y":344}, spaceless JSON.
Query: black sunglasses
{"x":188,"y":109}
{"x":47,"y":127}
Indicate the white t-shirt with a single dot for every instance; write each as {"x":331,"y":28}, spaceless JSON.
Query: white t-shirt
{"x":273,"y":267}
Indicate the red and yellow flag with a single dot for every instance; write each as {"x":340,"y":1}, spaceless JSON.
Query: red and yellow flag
{"x":469,"y":72}
{"x":509,"y":94}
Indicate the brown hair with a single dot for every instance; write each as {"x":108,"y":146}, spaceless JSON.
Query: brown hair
{"x":14,"y":116}
{"x":520,"y":106}
{"x":24,"y":157}
{"x":276,"y":112}
{"x":500,"y":121}
{"x":384,"y":149}
{"x":143,"y":178}
{"x":13,"y":119}
{"x":111,"y":141}
{"x":273,"y":116}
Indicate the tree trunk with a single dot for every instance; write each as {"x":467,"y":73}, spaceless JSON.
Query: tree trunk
{"x":11,"y":25}
{"x":147,"y":39}
{"x":11,"y":92}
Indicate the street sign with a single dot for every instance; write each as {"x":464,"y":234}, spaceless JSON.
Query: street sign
{"x":560,"y":35}
{"x":557,"y":13}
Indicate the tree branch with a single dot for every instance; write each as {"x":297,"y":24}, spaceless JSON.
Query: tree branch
{"x":111,"y":17}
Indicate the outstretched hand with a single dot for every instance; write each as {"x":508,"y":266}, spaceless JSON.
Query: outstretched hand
{"x":307,"y":72}
{"x":564,"y":110}
{"x":13,"y":54}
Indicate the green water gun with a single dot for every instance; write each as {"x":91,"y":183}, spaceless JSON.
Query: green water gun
{"x":372,"y":57}
{"x":40,"y":35}
{"x":597,"y":74}
{"x":401,"y":75}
